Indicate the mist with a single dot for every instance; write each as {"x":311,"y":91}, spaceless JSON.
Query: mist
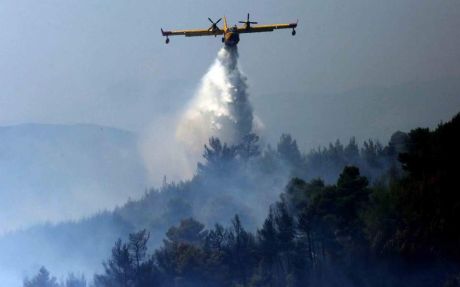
{"x":173,"y":132}
{"x":48,"y":173}
{"x":212,"y":164}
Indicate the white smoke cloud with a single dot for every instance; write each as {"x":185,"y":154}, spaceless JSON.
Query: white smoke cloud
{"x":220,"y":108}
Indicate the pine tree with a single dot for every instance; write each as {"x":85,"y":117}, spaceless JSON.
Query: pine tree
{"x":42,"y":279}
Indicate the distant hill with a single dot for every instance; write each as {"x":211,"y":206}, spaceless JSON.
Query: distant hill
{"x":61,"y":172}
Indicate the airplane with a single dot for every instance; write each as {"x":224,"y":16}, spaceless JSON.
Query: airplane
{"x":231,"y":35}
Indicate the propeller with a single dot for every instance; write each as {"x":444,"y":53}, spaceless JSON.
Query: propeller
{"x":214,"y":25}
{"x":247,"y":22}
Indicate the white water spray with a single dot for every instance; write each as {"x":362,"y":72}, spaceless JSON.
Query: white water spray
{"x":221,"y":107}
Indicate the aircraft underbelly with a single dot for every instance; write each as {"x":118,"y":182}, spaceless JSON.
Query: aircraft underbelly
{"x":231,"y":39}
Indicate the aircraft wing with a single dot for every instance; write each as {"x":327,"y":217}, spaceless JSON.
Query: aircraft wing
{"x":265,"y":28}
{"x":193,"y":33}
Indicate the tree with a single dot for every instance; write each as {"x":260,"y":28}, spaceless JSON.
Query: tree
{"x":249,"y":147}
{"x":219,"y":157}
{"x":216,"y":239}
{"x":182,"y":259}
{"x":138,"y":247}
{"x":352,"y":197}
{"x":74,"y":281}
{"x":351,"y":152}
{"x":241,"y":247}
{"x":300,"y":196}
{"x":189,"y":231}
{"x":428,"y":199}
{"x":42,"y":279}
{"x":118,"y":269}
{"x":289,"y":151}
{"x":129,"y":265}
{"x":268,"y":238}
{"x":372,"y":152}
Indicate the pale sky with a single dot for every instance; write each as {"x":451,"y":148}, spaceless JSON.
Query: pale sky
{"x":105,"y":62}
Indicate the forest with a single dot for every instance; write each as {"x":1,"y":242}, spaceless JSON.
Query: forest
{"x":347,"y":216}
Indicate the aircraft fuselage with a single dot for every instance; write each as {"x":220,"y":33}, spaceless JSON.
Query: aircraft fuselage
{"x":231,"y":37}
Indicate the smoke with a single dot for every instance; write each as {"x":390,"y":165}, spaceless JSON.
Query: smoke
{"x":163,"y":155}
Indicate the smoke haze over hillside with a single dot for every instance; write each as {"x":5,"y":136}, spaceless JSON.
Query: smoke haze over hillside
{"x":52,"y":173}
{"x":354,"y":69}
{"x":220,"y":108}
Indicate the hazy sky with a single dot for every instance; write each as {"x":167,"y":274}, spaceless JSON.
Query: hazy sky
{"x":105,"y":62}
{"x":359,"y":67}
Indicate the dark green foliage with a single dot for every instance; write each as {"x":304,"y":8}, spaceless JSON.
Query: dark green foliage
{"x":401,"y":230}
{"x":189,"y":231}
{"x":311,"y":225}
{"x":429,"y":198}
{"x":372,"y":159}
{"x":240,"y":252}
{"x":130,"y":265}
{"x":242,"y":179}
{"x":181,"y":255}
{"x":221,"y":159}
{"x":218,"y":156}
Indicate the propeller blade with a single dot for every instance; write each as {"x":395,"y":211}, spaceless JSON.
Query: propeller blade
{"x":247,"y":22}
{"x":218,"y":20}
{"x":210,"y":20}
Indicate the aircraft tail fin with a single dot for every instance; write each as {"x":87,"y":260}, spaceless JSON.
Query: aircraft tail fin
{"x":225,"y":24}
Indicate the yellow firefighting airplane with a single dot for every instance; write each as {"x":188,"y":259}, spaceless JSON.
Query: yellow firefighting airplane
{"x":231,"y":34}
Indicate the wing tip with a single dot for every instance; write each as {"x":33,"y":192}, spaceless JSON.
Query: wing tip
{"x":165,"y":33}
{"x":293,"y":24}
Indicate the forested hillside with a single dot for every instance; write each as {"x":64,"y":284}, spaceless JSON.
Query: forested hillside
{"x":243,"y":179}
{"x":402,"y":228}
{"x":400,"y":224}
